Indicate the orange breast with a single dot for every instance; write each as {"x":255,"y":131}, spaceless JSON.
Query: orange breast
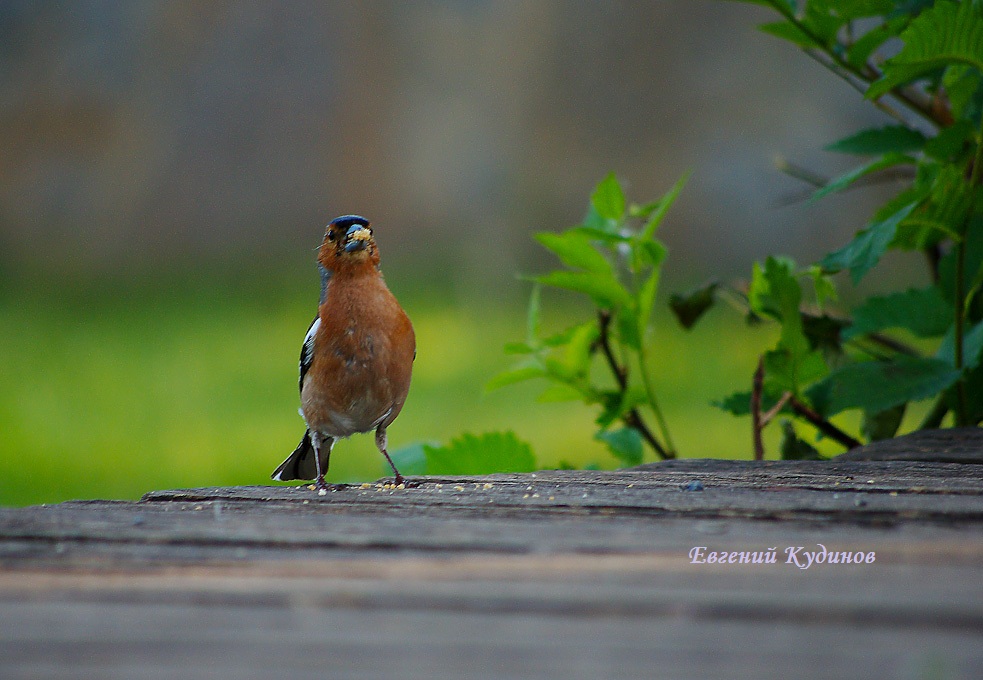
{"x":363,"y":358}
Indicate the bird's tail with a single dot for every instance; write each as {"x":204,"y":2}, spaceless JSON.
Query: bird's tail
{"x":299,"y":464}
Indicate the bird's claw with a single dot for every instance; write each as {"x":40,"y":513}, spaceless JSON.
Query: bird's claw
{"x":322,"y":487}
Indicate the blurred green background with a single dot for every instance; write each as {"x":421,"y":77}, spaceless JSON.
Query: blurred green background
{"x":166,"y":170}
{"x":192,"y":382}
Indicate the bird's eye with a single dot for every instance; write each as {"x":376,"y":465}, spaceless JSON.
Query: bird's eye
{"x":330,"y":235}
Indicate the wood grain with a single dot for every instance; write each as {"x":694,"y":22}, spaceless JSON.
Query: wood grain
{"x":556,"y":574}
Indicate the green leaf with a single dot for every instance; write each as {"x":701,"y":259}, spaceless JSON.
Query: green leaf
{"x":794,"y":448}
{"x":647,"y":253}
{"x":950,"y":142}
{"x":577,"y":356}
{"x":575,"y":250}
{"x":850,"y":10}
{"x":876,"y":141}
{"x":843,"y":181}
{"x":608,"y":236}
{"x":964,"y":87}
{"x":972,"y":346}
{"x":625,"y":444}
{"x":865,"y":250}
{"x":643,"y":211}
{"x":776,"y":292}
{"x":922,"y":311}
{"x":616,"y":403}
{"x":785,"y":371}
{"x":880,"y":385}
{"x":790,"y":32}
{"x":518,"y":348}
{"x":942,"y":215}
{"x":604,"y":289}
{"x":648,"y":231}
{"x":571,"y":360}
{"x":859,"y":52}
{"x":737,"y":404}
{"x":948,"y":33}
{"x":690,"y":306}
{"x":823,"y":333}
{"x":602,"y":227}
{"x":973,"y":264}
{"x":626,"y":320}
{"x":515,"y":375}
{"x":560,"y":338}
{"x":823,"y":285}
{"x":910,"y":8}
{"x":479,"y":455}
{"x":882,"y":424}
{"x":558,"y":392}
{"x":608,"y":199}
{"x":610,"y":401}
{"x":819,"y":18}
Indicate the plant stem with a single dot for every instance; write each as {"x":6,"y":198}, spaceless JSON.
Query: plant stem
{"x":892,"y":344}
{"x":757,"y":387}
{"x":933,"y":419}
{"x":653,"y":402}
{"x":844,"y":69}
{"x":837,"y":69}
{"x":821,"y":424}
{"x":633,"y":418}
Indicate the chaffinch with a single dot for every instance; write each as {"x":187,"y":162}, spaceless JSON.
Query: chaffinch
{"x":357,"y":357}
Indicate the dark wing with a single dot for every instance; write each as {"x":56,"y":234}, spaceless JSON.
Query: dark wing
{"x":307,"y":351}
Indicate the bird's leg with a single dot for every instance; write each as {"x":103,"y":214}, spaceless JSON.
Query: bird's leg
{"x":319,"y":483}
{"x":382,"y":441}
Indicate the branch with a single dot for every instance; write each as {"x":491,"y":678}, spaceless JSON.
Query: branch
{"x":633,"y":418}
{"x":770,"y":414}
{"x":915,"y":101}
{"x":933,"y":419}
{"x":821,"y":424}
{"x":757,"y":387}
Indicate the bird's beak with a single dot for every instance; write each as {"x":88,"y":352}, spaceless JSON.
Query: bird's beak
{"x":356,"y":238}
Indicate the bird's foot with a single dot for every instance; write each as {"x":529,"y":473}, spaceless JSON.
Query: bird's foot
{"x":322,"y":487}
{"x":400,"y":482}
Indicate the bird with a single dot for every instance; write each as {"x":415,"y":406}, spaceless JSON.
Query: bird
{"x":357,"y":357}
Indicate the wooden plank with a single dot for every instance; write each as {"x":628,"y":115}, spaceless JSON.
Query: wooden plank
{"x":253,"y":640}
{"x":953,"y":445}
{"x":570,"y":574}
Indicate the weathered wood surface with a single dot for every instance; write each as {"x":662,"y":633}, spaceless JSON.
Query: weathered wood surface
{"x":953,"y":445}
{"x":557,"y":574}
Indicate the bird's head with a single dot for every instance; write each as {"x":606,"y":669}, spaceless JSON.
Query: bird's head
{"x":348,"y":243}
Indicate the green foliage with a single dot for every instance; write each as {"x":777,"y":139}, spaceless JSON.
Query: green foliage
{"x":624,"y":443}
{"x":893,"y":138}
{"x":468,"y":454}
{"x":793,"y":447}
{"x":689,"y":307}
{"x":922,"y":311}
{"x":879,"y":385}
{"x":861,"y":254}
{"x":947,"y":34}
{"x":932,"y":89}
{"x":614,"y":259}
